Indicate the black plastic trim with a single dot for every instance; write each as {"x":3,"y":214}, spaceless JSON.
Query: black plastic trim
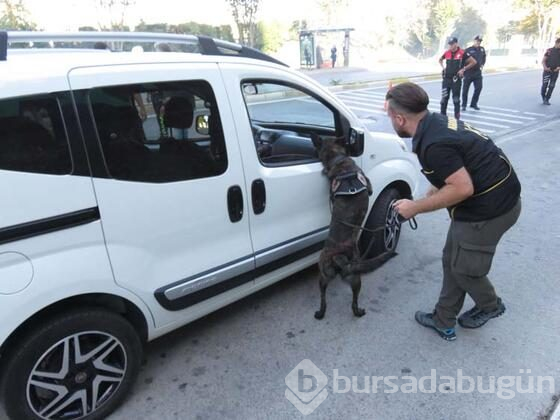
{"x":212,"y":291}
{"x":48,"y":225}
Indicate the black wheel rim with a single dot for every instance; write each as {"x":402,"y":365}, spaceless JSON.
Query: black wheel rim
{"x":76,"y":376}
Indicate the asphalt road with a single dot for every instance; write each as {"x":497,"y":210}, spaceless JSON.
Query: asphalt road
{"x":233,"y":363}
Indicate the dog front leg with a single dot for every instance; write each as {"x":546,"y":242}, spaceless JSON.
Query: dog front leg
{"x":356,"y":283}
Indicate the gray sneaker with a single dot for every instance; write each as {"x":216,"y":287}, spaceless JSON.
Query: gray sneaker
{"x":426,"y":319}
{"x":476,"y":317}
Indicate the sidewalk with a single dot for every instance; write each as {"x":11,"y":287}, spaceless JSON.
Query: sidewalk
{"x":384,"y":71}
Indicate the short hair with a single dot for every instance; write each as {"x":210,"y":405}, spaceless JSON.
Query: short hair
{"x":408,"y":98}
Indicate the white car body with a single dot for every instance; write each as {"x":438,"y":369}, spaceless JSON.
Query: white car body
{"x":116,"y":257}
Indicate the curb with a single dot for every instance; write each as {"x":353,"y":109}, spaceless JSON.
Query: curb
{"x":432,"y":77}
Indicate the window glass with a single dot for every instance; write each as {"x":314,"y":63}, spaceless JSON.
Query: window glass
{"x":160,"y":132}
{"x":32,"y":136}
{"x":283,"y":119}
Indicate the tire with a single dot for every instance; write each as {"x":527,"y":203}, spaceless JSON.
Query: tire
{"x":379,"y":217}
{"x":102,"y":367}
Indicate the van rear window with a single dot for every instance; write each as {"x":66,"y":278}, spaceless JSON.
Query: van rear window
{"x":32,"y":136}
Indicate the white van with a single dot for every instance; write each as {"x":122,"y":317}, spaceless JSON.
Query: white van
{"x":141,"y":191}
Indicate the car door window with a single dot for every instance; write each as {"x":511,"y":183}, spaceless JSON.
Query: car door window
{"x":33,"y":137}
{"x":283,"y":117}
{"x":160,"y":132}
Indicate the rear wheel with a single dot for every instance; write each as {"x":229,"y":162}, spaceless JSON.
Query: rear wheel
{"x":384,"y":221}
{"x":78,"y":365}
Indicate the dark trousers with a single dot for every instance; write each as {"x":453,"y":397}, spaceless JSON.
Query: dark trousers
{"x":467,"y":259}
{"x":475,"y":79}
{"x":548,"y":82}
{"x":453,"y":86}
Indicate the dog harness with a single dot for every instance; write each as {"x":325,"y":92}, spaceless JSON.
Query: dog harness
{"x":349,"y":183}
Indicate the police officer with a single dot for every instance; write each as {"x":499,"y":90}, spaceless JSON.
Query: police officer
{"x":551,"y":67}
{"x":452,"y":73}
{"x":474,"y":180}
{"x":474,"y":74}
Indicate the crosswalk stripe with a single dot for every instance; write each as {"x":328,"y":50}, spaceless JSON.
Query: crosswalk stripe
{"x":375,"y":111}
{"x":363,"y":101}
{"x":477,"y":123}
{"x":503,"y":114}
{"x":502,"y":109}
{"x":534,"y":113}
{"x":356,"y":94}
{"x":505,"y":120}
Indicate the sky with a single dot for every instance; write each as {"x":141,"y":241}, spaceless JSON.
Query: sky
{"x":59,"y":15}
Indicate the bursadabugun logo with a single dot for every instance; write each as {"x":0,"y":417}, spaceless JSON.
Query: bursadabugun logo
{"x":306,"y":387}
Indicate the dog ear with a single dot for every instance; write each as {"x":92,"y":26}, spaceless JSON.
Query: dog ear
{"x":317,"y":141}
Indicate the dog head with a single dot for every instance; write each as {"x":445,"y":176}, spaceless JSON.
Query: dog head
{"x":329,"y":147}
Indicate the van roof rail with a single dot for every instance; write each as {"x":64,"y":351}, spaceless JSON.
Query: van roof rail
{"x":205,"y":45}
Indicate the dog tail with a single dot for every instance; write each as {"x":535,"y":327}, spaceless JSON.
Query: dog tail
{"x":370,"y":264}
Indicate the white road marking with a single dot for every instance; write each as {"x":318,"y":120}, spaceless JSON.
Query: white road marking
{"x":534,"y":113}
{"x":375,"y":111}
{"x":499,"y":113}
{"x":364,"y":101}
{"x":525,"y":133}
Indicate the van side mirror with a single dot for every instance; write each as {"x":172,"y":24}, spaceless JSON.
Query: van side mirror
{"x":355,"y":144}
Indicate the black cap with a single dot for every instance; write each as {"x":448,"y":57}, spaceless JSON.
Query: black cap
{"x":452,"y":40}
{"x":478,"y":38}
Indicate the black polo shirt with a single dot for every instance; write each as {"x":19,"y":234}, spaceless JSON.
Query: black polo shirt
{"x":444,"y":145}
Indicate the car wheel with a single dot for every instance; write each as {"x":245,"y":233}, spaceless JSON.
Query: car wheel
{"x":382,"y":219}
{"x":79,"y":365}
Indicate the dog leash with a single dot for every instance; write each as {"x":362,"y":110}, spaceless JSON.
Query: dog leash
{"x":394,"y":216}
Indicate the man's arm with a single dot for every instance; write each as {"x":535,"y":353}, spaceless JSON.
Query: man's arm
{"x":458,"y":187}
{"x":545,"y":67}
{"x":471,"y":62}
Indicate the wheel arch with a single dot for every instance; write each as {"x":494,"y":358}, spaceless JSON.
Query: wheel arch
{"x":116,"y":304}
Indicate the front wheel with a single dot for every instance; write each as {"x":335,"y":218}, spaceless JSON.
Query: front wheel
{"x":78,"y":365}
{"x":384,"y":221}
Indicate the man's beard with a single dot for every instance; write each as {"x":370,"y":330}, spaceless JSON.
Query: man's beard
{"x":402,"y":133}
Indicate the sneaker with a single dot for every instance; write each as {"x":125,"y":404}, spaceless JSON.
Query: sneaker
{"x":475,"y":107}
{"x":463,"y":108}
{"x":476,"y":318}
{"x":427,"y":320}
{"x":546,"y":102}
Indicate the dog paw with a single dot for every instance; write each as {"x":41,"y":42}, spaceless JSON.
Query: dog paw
{"x":359,"y":312}
{"x":319,"y":315}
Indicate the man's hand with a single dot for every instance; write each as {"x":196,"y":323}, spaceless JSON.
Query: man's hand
{"x":406,"y":208}
{"x":461,"y":73}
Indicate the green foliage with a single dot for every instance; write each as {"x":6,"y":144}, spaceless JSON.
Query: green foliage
{"x":268,"y":37}
{"x":469,"y":24}
{"x":222,"y":32}
{"x":15,"y":17}
{"x":244,"y":13}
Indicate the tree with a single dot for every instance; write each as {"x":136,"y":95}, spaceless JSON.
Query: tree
{"x":545,"y":15}
{"x":15,"y":16}
{"x":116,"y":11}
{"x":505,"y":33}
{"x":268,"y":37}
{"x":244,"y":13}
{"x":331,"y":10}
{"x":442,"y":19}
{"x":469,"y":24}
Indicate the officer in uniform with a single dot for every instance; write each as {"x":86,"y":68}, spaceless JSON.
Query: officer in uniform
{"x":474,"y":74}
{"x":551,"y":67}
{"x":452,"y":73}
{"x":474,"y":180}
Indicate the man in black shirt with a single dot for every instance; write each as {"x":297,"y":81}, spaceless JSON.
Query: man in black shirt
{"x":474,"y":74}
{"x":551,"y":67}
{"x":474,"y":180}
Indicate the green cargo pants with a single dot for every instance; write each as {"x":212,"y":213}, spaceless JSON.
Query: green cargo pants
{"x":467,"y":259}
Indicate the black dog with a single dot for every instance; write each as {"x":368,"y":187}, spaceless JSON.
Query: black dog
{"x":350,"y":189}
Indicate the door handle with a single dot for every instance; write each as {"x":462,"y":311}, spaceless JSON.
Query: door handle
{"x":235,"y":203}
{"x":258,"y":195}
